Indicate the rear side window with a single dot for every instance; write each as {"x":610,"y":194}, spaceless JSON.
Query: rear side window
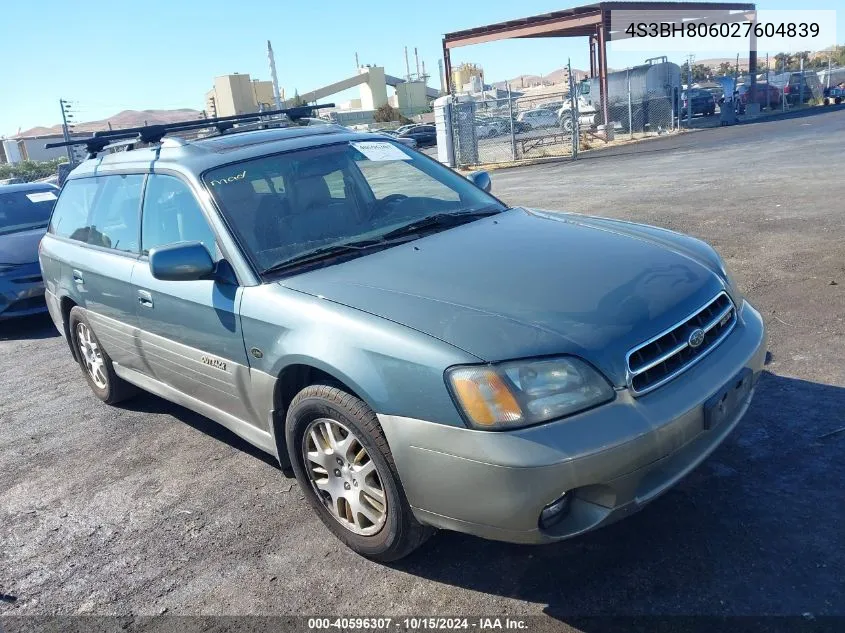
{"x":172,"y":215}
{"x":102,"y":211}
{"x":115,"y":215}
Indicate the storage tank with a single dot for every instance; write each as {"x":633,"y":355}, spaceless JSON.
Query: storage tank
{"x":654,"y":92}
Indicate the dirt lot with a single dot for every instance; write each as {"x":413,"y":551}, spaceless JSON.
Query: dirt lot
{"x":150,"y":507}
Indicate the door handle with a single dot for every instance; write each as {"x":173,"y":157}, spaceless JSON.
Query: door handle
{"x":145,"y":299}
{"x":77,"y":277}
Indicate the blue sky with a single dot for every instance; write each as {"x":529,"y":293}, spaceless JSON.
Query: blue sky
{"x":112,"y":56}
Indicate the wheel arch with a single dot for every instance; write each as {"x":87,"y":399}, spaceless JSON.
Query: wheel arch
{"x":66,"y":304}
{"x":293,"y":378}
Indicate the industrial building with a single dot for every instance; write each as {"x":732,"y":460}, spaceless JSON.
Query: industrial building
{"x":238,"y":94}
{"x":468,"y":78}
{"x":21,"y":148}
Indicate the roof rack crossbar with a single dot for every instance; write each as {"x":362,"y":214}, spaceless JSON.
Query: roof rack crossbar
{"x":154,"y":133}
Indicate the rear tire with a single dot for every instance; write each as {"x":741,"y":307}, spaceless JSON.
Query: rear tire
{"x":391,"y":531}
{"x":95,"y":362}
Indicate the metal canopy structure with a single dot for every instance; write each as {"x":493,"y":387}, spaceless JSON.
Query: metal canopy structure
{"x":592,"y":21}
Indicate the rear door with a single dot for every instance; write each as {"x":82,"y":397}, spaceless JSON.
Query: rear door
{"x":96,"y":224}
{"x":189,"y":331}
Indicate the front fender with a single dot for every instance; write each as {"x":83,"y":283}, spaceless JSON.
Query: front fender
{"x":396,"y":370}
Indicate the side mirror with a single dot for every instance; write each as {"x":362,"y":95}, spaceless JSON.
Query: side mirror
{"x":185,"y":261}
{"x":481,"y":179}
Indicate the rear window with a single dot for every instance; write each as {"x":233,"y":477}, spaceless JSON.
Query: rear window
{"x":24,"y":210}
{"x":102,"y":211}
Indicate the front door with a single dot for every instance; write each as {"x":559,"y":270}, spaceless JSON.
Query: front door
{"x":190,"y":331}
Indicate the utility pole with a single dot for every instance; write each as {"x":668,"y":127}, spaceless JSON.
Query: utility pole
{"x":66,"y":114}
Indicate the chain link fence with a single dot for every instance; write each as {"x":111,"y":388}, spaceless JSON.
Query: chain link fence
{"x":527,"y":127}
{"x":510,"y":129}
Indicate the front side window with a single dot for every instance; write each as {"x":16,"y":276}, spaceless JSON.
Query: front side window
{"x":337,"y":194}
{"x":172,"y":215}
{"x":25,"y":210}
{"x":102,"y":211}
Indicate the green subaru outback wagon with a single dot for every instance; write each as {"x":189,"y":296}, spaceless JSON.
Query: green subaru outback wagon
{"x":418,"y":353}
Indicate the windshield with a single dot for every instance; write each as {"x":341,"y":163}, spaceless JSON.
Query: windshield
{"x":24,"y":210}
{"x":284,"y":205}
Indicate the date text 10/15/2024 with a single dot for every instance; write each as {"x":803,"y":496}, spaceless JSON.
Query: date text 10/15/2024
{"x":418,"y":624}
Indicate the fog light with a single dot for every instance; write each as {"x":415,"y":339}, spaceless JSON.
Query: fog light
{"x":555,"y":511}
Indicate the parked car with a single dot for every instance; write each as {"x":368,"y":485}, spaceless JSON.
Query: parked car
{"x":490,"y":127}
{"x":798,"y":87}
{"x":24,"y":213}
{"x":423,"y":135}
{"x":403,"y":128}
{"x":714,"y":90}
{"x":768,"y":96}
{"x":505,"y":124}
{"x":538,"y":118}
{"x":835,"y":94}
{"x":418,"y":353}
{"x":405,"y":140}
{"x":702,"y":101}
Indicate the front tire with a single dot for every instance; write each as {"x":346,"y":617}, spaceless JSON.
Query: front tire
{"x":345,"y":469}
{"x":95,"y":362}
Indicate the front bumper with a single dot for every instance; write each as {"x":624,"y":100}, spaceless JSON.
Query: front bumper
{"x":21,"y":291}
{"x":613,"y":459}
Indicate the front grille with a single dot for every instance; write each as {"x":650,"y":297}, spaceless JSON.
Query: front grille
{"x":660,"y":359}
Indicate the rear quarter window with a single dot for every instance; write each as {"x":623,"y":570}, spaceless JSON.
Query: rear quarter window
{"x":73,"y":207}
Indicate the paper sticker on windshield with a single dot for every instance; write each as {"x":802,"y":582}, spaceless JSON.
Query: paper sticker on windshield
{"x":380,"y":151}
{"x":41,"y":196}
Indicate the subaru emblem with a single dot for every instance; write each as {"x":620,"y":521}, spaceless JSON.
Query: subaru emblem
{"x":696,"y":338}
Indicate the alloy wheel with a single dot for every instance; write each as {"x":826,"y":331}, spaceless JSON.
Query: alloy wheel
{"x":344,"y":476}
{"x":92,"y":356}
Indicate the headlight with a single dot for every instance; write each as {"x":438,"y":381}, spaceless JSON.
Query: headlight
{"x":520,"y":393}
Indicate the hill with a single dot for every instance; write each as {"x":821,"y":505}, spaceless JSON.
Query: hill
{"x":522,"y":82}
{"x":124,"y":119}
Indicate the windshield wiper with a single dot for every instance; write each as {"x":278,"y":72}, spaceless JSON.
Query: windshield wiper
{"x":327,"y":252}
{"x":443,"y":218}
{"x":19,"y":228}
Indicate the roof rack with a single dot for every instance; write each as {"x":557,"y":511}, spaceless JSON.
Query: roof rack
{"x":154,"y":133}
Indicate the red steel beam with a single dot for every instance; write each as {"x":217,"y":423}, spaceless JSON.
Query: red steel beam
{"x":602,"y":51}
{"x":556,"y":27}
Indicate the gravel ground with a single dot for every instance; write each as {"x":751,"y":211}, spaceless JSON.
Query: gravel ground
{"x":148,"y":507}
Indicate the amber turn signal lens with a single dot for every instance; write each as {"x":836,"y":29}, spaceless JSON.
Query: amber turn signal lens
{"x":485,"y":397}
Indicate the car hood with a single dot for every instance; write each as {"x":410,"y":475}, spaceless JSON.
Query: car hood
{"x":528,"y":283}
{"x":20,"y":247}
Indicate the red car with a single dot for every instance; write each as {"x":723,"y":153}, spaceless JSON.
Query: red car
{"x":768,"y":96}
